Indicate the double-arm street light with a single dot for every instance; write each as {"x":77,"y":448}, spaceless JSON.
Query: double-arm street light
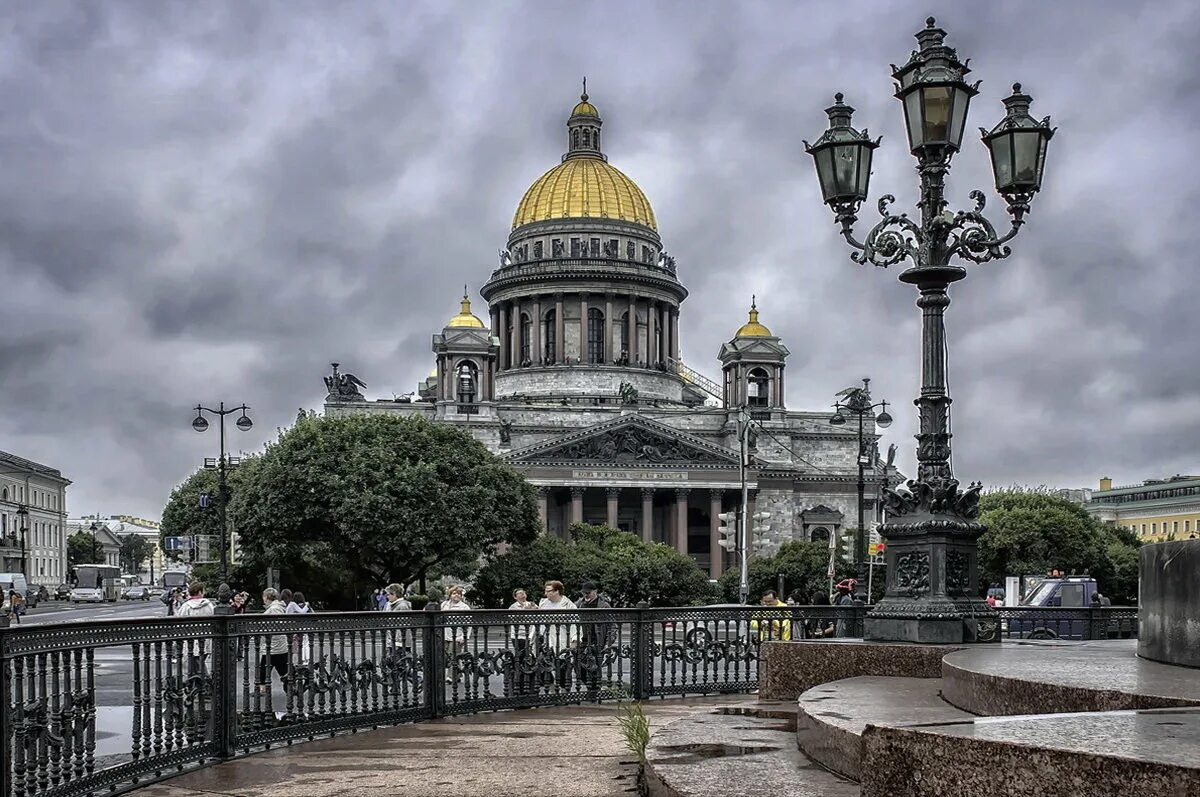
{"x":932,"y":590}
{"x":200,"y":424}
{"x":23,"y":514}
{"x":857,"y":401}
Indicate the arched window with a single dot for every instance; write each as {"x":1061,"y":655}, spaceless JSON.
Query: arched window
{"x":759,"y":388}
{"x":465,"y":383}
{"x":574,"y":139}
{"x":5,"y":493}
{"x":595,"y":336}
{"x":624,"y":337}
{"x":526,"y":341}
{"x":587,"y":137}
{"x":550,"y":344}
{"x":820,"y":534}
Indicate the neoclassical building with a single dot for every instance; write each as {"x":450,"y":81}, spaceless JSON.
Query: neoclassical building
{"x":576,"y":379}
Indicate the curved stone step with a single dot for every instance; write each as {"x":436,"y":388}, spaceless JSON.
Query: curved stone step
{"x":731,"y":755}
{"x":1060,"y":677}
{"x":832,"y":717}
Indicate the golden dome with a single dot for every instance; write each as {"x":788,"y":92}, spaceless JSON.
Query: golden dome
{"x":465,"y":317}
{"x":753,"y":329}
{"x":584,"y":187}
{"x":584,"y":108}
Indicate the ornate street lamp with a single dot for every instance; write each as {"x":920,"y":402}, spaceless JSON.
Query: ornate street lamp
{"x":23,"y":514}
{"x":200,"y":424}
{"x":857,"y":401}
{"x":932,"y":591}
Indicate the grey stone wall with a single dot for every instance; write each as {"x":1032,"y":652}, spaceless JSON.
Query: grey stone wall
{"x":1169,"y":602}
{"x":588,"y":381}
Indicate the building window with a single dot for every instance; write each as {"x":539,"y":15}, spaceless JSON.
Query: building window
{"x":595,"y":247}
{"x":466,"y":383}
{"x":595,"y":337}
{"x":537,"y":250}
{"x":1154,"y":528}
{"x":1174,"y":526}
{"x":574,"y":139}
{"x":758,"y":388}
{"x":596,"y":139}
{"x":526,"y":341}
{"x":550,"y":344}
{"x":575,"y":245}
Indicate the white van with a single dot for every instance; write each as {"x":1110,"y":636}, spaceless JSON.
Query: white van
{"x":11,"y":581}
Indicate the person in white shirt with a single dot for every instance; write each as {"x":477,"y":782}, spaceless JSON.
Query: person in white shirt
{"x":559,"y":637}
{"x":521,"y":679}
{"x":277,"y":651}
{"x":396,"y":602}
{"x":196,"y":605}
{"x":456,"y":633}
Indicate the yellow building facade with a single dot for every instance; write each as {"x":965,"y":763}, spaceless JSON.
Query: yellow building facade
{"x":1156,"y":509}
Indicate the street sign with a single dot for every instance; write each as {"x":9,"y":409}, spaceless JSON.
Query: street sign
{"x":177,"y":543}
{"x":204,"y":500}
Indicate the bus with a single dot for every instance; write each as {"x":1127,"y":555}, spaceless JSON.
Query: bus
{"x":172,"y":579}
{"x":96,"y":584}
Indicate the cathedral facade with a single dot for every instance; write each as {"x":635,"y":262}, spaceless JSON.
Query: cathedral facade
{"x":576,"y":380}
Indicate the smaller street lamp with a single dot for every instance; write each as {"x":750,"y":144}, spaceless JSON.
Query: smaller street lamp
{"x":23,"y":514}
{"x":200,"y":424}
{"x":857,"y":401}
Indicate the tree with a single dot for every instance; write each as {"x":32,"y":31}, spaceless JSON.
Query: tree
{"x":346,"y":503}
{"x":626,"y":568}
{"x":1033,"y":531}
{"x":81,"y":549}
{"x":184,"y":517}
{"x":803,"y":565}
{"x":134,"y":551}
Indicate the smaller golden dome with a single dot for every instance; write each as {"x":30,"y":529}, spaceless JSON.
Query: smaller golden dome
{"x":585,"y":108}
{"x":753,"y":329}
{"x":465,"y":317}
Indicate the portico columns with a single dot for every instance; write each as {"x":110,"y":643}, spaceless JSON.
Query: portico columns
{"x":502,"y":333}
{"x":631,"y":338}
{"x":613,"y":494}
{"x":576,"y":504}
{"x":716,"y":556}
{"x":542,"y":499}
{"x":648,"y":514}
{"x":681,"y":520}
{"x":514,"y":339}
{"x":609,"y":350}
{"x":535,"y":351}
{"x":674,"y":333}
{"x":584,"y":354}
{"x":559,"y":328}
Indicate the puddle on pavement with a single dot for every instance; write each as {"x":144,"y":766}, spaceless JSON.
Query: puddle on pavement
{"x":695,"y":753}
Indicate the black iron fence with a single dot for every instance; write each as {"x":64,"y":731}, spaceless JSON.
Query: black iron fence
{"x":91,"y":708}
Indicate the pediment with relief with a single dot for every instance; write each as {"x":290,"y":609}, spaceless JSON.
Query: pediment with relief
{"x":628,"y":441}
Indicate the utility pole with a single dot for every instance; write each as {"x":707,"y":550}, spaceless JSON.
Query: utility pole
{"x":200,"y":424}
{"x":743,"y":513}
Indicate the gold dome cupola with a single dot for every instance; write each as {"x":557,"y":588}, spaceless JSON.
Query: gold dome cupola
{"x":752,"y":328}
{"x":465,"y":317}
{"x":583,"y":130}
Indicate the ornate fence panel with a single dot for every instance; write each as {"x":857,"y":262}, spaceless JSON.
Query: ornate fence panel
{"x":1036,"y":622}
{"x":101,"y":708}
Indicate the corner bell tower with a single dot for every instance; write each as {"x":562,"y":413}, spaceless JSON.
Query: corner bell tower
{"x":752,"y":365}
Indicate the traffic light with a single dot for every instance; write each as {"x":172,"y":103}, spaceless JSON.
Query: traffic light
{"x":728,"y":530}
{"x":845,"y":546}
{"x":764,"y":541}
{"x":235,"y":548}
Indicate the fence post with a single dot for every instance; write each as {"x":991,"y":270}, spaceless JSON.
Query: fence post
{"x":224,"y":681}
{"x":434,"y":660}
{"x":6,"y":729}
{"x":641,"y":653}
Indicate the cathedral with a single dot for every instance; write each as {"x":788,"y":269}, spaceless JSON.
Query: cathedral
{"x":576,"y":380}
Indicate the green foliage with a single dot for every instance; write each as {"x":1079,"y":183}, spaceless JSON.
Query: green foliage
{"x":627,"y":569}
{"x":635,"y":728}
{"x":83,"y":549}
{"x":804,"y":566}
{"x":134,"y":551}
{"x":343,"y":504}
{"x":1032,"y":532}
{"x":183,"y":517}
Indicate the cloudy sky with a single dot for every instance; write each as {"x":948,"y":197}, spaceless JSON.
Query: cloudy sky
{"x":210,"y":201}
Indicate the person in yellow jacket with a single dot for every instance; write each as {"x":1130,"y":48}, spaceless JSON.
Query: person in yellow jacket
{"x":779,"y":624}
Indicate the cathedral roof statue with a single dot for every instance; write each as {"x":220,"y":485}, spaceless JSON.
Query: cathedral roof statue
{"x":752,"y":328}
{"x":465,"y":317}
{"x":584,"y":185}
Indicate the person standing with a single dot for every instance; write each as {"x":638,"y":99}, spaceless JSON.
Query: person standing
{"x":524,"y":657}
{"x":844,"y":592}
{"x":394,"y":600}
{"x":16,"y":604}
{"x":777,"y":625}
{"x":596,"y":637}
{"x":456,"y":635}
{"x":196,"y":605}
{"x":277,"y":646}
{"x":381,"y":598}
{"x":561,"y":638}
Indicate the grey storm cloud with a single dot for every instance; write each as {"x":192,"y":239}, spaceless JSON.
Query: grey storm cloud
{"x":211,"y":201}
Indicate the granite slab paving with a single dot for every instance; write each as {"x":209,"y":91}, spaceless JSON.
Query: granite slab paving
{"x":789,"y":669}
{"x":832,"y":716}
{"x":1091,"y":754}
{"x":730,"y":755}
{"x":573,"y":751}
{"x":1033,"y":678}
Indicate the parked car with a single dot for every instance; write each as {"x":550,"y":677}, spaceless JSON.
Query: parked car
{"x":137,"y":593}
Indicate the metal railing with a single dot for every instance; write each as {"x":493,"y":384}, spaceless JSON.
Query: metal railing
{"x":88,"y":708}
{"x":1105,"y":622}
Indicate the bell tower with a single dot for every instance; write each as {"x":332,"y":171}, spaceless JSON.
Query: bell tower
{"x":753,"y":366}
{"x":466,"y":365}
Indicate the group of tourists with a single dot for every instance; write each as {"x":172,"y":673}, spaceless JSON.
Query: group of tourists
{"x":782,"y":627}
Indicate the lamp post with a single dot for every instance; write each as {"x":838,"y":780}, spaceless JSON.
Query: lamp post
{"x":200,"y":424}
{"x":932,"y":590}
{"x":94,"y":528}
{"x":857,"y":401}
{"x":23,"y":514}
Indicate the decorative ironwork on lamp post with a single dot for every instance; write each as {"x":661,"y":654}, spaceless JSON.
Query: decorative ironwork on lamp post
{"x":932,"y":591}
{"x":857,"y":401}
{"x":200,"y":424}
